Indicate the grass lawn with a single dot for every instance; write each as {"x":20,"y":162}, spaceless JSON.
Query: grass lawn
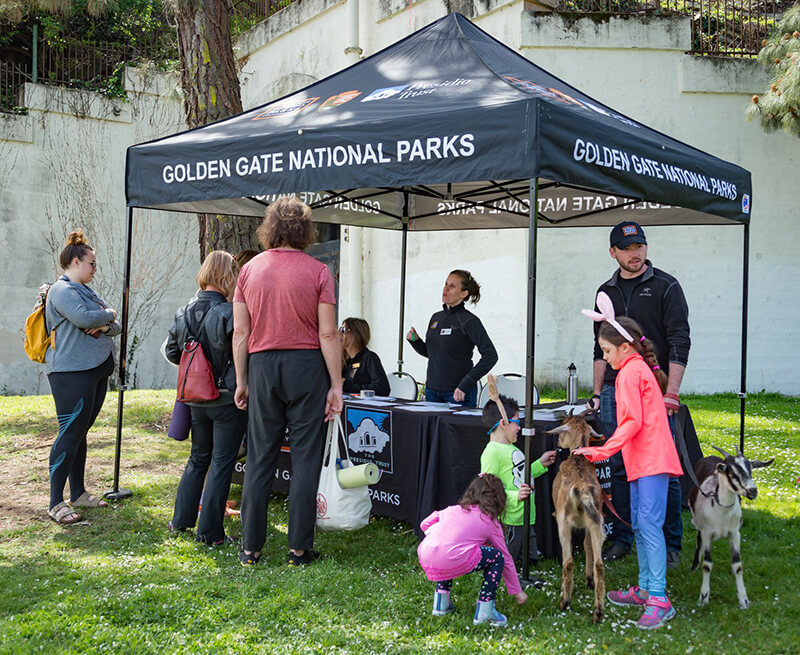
{"x":123,"y":584}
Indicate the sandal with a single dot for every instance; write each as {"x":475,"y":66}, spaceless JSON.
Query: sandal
{"x":87,"y":500}
{"x":63,"y":514}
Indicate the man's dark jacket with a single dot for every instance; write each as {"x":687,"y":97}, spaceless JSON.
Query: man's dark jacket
{"x":658,"y":305}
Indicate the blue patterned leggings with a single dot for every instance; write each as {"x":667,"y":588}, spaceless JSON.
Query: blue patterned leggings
{"x":491,"y":564}
{"x":78,"y":396}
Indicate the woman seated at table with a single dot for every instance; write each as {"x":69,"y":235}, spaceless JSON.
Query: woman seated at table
{"x":362,"y":367}
{"x":450,"y":340}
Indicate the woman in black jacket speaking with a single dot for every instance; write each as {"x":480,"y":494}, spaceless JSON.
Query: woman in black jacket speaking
{"x":362,"y":367}
{"x":217,"y":425}
{"x":451,"y":337}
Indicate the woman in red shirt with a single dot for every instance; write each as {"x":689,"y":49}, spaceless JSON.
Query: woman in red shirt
{"x":644,"y":437}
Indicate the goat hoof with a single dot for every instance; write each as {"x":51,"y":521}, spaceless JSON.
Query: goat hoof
{"x":703,"y":600}
{"x":597,"y":615}
{"x":564,"y":604}
{"x":590,"y":583}
{"x":744,"y":603}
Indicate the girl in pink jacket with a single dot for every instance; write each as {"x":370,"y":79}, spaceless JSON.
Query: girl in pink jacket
{"x":455,"y":544}
{"x":644,"y":437}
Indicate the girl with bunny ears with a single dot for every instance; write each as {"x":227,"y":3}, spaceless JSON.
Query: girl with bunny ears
{"x":644,"y":437}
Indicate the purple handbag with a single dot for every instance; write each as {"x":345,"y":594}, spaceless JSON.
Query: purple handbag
{"x":181,"y":422}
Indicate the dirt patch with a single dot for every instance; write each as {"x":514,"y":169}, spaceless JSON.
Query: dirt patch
{"x":24,"y":468}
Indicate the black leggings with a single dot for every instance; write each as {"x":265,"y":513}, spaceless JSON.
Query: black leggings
{"x":491,"y":564}
{"x":79,"y":396}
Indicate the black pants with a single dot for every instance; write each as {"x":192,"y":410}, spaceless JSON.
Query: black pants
{"x":78,"y":396}
{"x":514,"y":535}
{"x":216,"y":436}
{"x":287,"y":389}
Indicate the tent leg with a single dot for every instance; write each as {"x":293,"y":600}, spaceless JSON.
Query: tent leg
{"x":116,"y":493}
{"x":403,"y":256}
{"x":745,"y":284}
{"x":530,"y":341}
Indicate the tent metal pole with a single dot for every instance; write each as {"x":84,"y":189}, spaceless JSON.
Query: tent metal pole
{"x":745,"y":284}
{"x":116,"y":493}
{"x":530,"y":342}
{"x":403,"y":254}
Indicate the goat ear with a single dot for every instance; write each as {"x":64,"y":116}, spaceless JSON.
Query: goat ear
{"x":757,"y":464}
{"x":722,"y":467}
{"x":558,"y":430}
{"x":710,"y":485}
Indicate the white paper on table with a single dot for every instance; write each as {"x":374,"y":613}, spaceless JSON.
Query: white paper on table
{"x":470,"y":412}
{"x":371,"y":401}
{"x":425,"y":407}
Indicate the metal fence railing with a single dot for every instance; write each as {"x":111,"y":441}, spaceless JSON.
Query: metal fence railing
{"x":12,"y":77}
{"x":728,"y":28}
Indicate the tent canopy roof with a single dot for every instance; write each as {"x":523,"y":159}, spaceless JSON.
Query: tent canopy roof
{"x":445,"y":127}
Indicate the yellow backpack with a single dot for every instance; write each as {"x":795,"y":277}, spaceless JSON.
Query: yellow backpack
{"x":37,"y":338}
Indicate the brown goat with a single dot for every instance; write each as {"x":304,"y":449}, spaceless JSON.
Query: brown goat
{"x":578,"y":502}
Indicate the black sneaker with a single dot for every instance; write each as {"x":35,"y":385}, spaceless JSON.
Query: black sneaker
{"x":533,"y":581}
{"x":307,"y":557}
{"x":615,"y":551}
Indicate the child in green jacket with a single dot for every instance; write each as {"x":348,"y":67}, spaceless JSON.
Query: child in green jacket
{"x":503,"y":459}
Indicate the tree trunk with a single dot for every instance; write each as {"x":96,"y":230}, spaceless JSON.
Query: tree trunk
{"x":210,"y":93}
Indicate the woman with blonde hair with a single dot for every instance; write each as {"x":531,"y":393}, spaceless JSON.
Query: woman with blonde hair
{"x":217,"y":425}
{"x":79,"y":363}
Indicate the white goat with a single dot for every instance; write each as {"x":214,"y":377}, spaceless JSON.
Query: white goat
{"x":717,"y":512}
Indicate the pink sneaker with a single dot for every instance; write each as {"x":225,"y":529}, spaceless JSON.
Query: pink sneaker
{"x":626,"y":598}
{"x":658,"y":612}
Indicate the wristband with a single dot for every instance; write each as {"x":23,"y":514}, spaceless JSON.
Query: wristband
{"x":672,"y":401}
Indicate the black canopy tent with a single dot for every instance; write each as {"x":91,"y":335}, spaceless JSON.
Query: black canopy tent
{"x":445,"y":129}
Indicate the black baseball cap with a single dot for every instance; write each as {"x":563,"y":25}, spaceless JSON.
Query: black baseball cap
{"x":626,"y":233}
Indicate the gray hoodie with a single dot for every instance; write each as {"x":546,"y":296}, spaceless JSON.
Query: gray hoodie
{"x":72,"y":308}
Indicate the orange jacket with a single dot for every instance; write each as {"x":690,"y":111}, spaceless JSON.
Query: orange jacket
{"x":643,"y":434}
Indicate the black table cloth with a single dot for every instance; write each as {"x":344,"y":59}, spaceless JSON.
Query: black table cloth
{"x":428,"y":458}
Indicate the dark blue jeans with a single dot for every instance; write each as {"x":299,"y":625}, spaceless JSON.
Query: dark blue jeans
{"x":433,"y":396}
{"x":621,"y":534}
{"x":216,"y":436}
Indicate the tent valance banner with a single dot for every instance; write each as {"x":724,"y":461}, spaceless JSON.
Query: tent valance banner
{"x":457,"y":120}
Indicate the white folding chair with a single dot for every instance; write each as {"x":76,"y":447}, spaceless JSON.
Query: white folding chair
{"x":483,"y":396}
{"x":512,"y":385}
{"x":402,"y":385}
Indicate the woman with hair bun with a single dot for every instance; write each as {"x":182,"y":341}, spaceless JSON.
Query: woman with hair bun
{"x":79,"y":362}
{"x":450,"y":340}
{"x":217,"y":425}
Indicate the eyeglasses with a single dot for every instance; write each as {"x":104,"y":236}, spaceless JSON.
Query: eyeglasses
{"x":494,"y":427}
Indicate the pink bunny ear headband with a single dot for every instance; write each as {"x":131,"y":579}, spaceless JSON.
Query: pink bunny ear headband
{"x":606,"y":313}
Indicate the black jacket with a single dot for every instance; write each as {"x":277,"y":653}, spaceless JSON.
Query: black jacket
{"x":209,"y":319}
{"x":365,"y":371}
{"x":658,"y":305}
{"x":452,"y":335}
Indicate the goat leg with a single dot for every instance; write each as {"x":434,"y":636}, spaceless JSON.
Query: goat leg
{"x":587,"y":549}
{"x":736,"y":567}
{"x":597,"y":537}
{"x":567,"y":562}
{"x":705,"y":587}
